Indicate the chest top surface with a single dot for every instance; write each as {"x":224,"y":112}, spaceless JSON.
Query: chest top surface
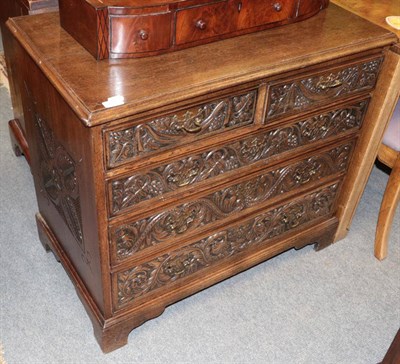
{"x":152,"y":82}
{"x":374,"y":11}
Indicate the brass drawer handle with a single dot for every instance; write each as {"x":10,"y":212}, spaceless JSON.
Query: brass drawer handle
{"x":143,"y":35}
{"x":329,"y":83}
{"x":201,"y":24}
{"x":277,"y":7}
{"x":188,"y":178}
{"x":181,"y":223}
{"x":195,"y":129}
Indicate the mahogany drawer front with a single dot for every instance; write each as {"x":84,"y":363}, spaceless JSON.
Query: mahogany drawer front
{"x":166,"y":132}
{"x":302,"y":94}
{"x":140,"y":33}
{"x":257,"y":12}
{"x":169,"y":225}
{"x":225,"y":17}
{"x":129,"y":192}
{"x":139,"y":281}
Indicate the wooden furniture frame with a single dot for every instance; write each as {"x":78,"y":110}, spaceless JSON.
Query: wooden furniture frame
{"x":205,"y":168}
{"x":391,"y":158}
{"x":377,"y":14}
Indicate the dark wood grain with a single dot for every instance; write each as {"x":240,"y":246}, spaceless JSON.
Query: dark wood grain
{"x":140,"y":33}
{"x":82,"y":24}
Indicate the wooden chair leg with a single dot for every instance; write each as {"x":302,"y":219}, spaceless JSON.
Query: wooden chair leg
{"x":388,"y":208}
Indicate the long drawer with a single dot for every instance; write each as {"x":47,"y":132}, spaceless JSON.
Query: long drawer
{"x":150,"y":186}
{"x":174,"y":224}
{"x":166,"y":271}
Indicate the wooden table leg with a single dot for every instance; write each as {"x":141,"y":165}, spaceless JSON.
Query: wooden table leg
{"x":389,"y":203}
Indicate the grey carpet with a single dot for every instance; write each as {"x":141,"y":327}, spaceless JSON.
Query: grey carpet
{"x":340,"y":305}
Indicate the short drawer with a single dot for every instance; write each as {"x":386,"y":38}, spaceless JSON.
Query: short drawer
{"x":254,"y":13}
{"x":140,"y":33}
{"x":301,"y":94}
{"x":125,"y":144}
{"x":128,"y":239}
{"x":213,"y":20}
{"x":148,"y":279}
{"x":129,"y":192}
{"x":206,"y":21}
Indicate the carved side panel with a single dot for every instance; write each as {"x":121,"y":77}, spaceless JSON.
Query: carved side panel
{"x":128,"y":239}
{"x":58,"y":177}
{"x":128,"y":192}
{"x":150,"y":137}
{"x":181,"y":263}
{"x":299,"y":95}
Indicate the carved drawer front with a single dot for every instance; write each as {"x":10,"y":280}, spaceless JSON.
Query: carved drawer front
{"x":140,"y":33}
{"x":301,"y":94}
{"x":133,"y":284}
{"x":173,"y":224}
{"x":168,"y":131}
{"x":225,"y":17}
{"x":128,"y":192}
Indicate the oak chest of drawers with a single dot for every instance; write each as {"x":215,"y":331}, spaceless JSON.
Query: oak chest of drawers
{"x":217,"y":158}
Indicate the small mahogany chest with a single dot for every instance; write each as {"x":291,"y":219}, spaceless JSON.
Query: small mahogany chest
{"x":215,"y":159}
{"x":139,"y":28}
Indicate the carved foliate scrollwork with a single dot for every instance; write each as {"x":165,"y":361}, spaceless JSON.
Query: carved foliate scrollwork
{"x":299,"y":95}
{"x":167,"y":131}
{"x":131,"y":238}
{"x":57,"y":175}
{"x":183,"y":262}
{"x":58,"y":179}
{"x":130,"y":191}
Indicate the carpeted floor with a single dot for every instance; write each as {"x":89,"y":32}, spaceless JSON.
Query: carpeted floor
{"x":340,"y":305}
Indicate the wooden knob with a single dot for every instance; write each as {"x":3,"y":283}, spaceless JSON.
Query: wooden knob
{"x":278,"y":6}
{"x":143,"y":35}
{"x":201,"y":24}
